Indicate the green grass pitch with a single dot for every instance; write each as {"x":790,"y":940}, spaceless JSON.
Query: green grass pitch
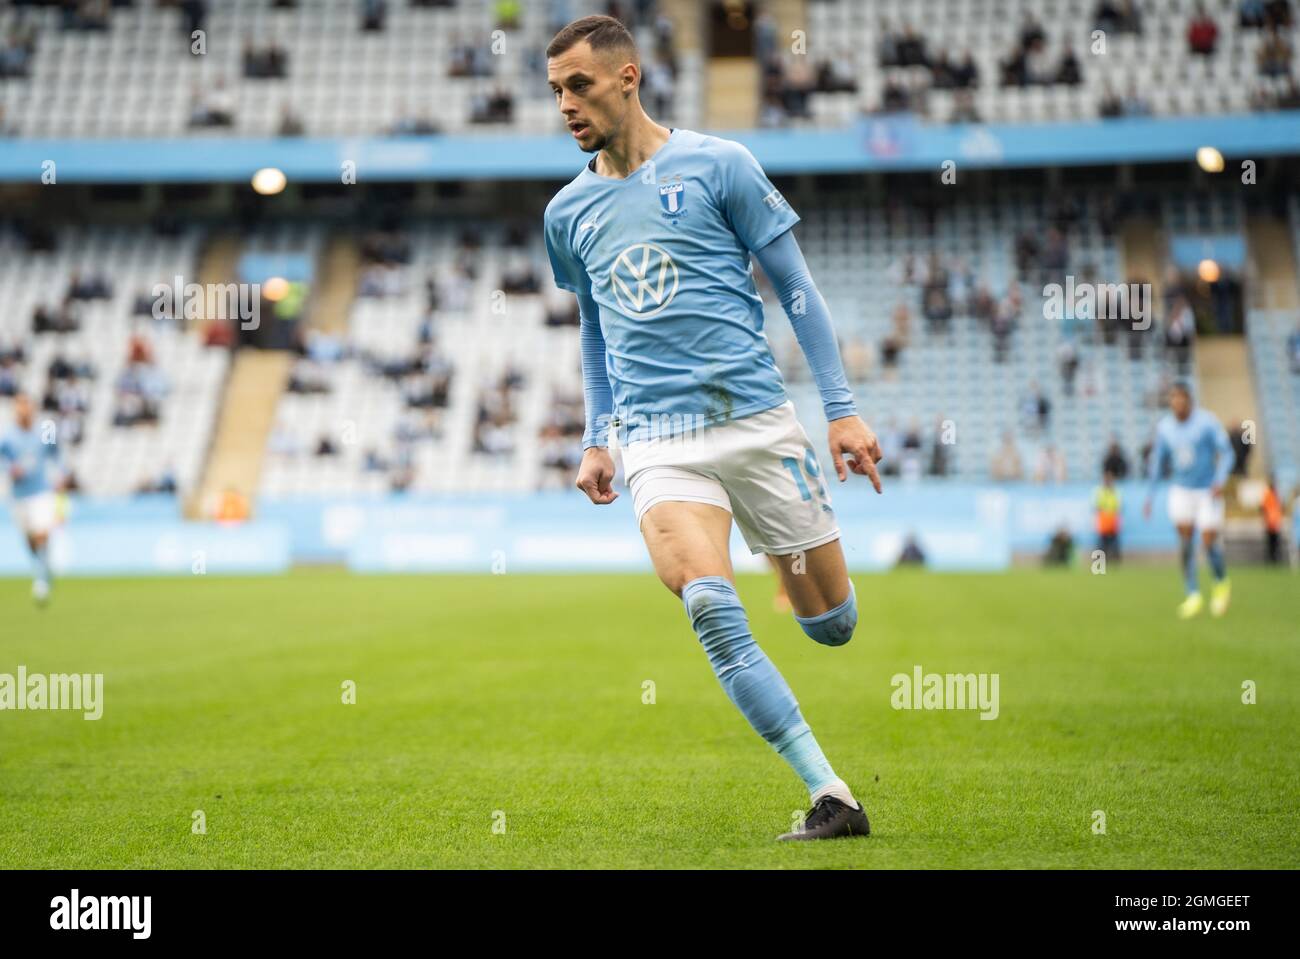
{"x":499,"y":722}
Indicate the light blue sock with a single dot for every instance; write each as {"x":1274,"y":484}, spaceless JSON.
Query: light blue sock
{"x":1215,"y":555}
{"x":41,"y":561}
{"x":750,"y":679}
{"x":1189,"y":567}
{"x":835,"y":626}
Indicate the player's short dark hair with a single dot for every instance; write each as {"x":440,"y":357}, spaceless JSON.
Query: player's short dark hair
{"x":1181,"y":386}
{"x":603,"y":33}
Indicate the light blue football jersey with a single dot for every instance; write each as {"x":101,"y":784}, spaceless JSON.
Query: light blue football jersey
{"x":665,"y":255}
{"x":1198,"y":450}
{"x":25,"y":449}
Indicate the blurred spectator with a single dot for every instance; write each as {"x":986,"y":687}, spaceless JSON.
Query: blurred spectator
{"x":911,"y":450}
{"x":518,"y":277}
{"x":373,"y":13}
{"x":1067,"y":359}
{"x":219,"y":333}
{"x":469,"y":60}
{"x":212,"y":108}
{"x":193,"y":15}
{"x":1060,"y":549}
{"x":268,"y":62}
{"x":307,"y":378}
{"x":939,"y":461}
{"x":88,"y":288}
{"x":16,"y":54}
{"x":1240,"y":448}
{"x":1006,"y":465}
{"x":963,"y":108}
{"x":163,"y":483}
{"x":561,"y":308}
{"x":1036,"y":409}
{"x":911,"y":553}
{"x":495,"y":107}
{"x":658,"y":86}
{"x":1202,"y":32}
{"x":85,"y":15}
{"x":910,"y":49}
{"x":411,"y":125}
{"x":859,"y":359}
{"x":1110,"y":107}
{"x":1180,"y":331}
{"x":507,"y":14}
{"x":10,"y":376}
{"x":1250,"y":14}
{"x":291,"y":124}
{"x":1274,"y":54}
{"x":1134,"y":104}
{"x":1115,"y":462}
{"x":1117,"y":16}
{"x":140,"y":387}
{"x":1067,"y":72}
{"x":1050,"y":467}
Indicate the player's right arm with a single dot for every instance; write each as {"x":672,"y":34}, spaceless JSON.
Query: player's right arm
{"x":596,"y":473}
{"x":1159,"y":454}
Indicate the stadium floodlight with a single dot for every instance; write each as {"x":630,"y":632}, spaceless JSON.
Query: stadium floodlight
{"x":1210,"y":160}
{"x":275,"y":289}
{"x":269,"y":181}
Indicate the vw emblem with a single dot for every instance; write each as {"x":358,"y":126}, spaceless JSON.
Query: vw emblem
{"x":643,"y":272}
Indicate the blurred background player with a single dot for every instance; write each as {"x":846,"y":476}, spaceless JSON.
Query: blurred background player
{"x":1196,"y":448}
{"x":654,"y":237}
{"x":28,"y":456}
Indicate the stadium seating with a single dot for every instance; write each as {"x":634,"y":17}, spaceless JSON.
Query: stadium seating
{"x":1278,"y":386}
{"x":479,"y":331}
{"x":139,"y":78}
{"x":109,"y":458}
{"x":949,"y":375}
{"x":1155,"y":63}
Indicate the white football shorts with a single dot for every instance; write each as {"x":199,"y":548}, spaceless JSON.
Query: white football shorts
{"x":760,"y":468}
{"x":37,"y":514}
{"x":1195,"y":507}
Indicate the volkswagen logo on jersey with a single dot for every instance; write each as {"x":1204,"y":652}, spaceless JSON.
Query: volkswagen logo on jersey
{"x":672,"y":196}
{"x":644,"y":279}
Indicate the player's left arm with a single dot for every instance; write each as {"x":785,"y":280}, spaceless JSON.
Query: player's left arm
{"x":784,"y":264}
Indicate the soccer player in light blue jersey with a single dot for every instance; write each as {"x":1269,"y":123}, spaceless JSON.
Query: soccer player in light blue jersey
{"x":28,"y":459}
{"x":1197,"y":449}
{"x":654,"y":236}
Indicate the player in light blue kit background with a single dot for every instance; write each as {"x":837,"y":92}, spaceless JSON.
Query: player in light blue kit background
{"x":654,"y":236}
{"x":1196,"y":447}
{"x":27,"y":458}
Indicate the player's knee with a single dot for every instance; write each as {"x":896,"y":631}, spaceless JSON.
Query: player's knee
{"x":706,"y":596}
{"x":834,"y":627}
